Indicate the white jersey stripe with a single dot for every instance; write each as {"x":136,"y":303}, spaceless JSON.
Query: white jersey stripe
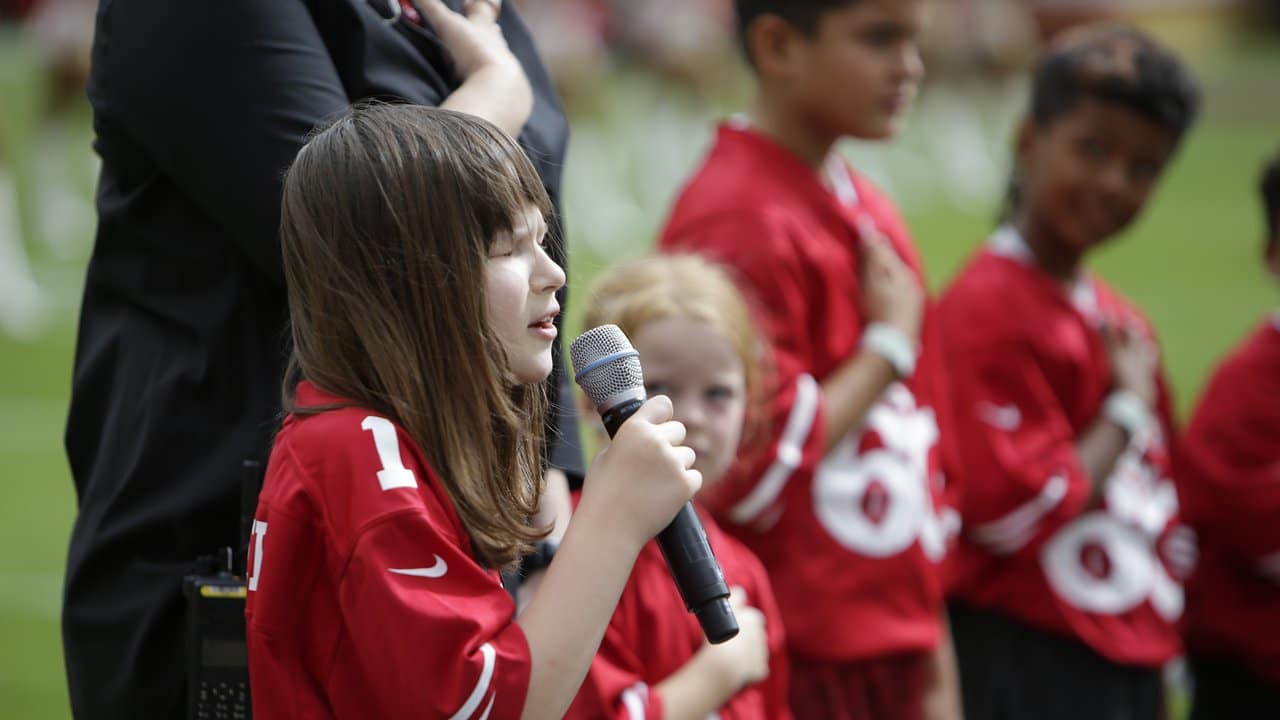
{"x":635,"y":699}
{"x":482,"y":685}
{"x":804,"y":410}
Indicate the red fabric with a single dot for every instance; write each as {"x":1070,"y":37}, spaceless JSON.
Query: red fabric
{"x":1231,"y":490}
{"x":652,"y":635}
{"x":1029,"y":373}
{"x":844,"y":538}
{"x":888,"y":688}
{"x":332,"y":631}
{"x":410,"y":12}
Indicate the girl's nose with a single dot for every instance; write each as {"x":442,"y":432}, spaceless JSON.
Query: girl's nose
{"x":548,"y":275}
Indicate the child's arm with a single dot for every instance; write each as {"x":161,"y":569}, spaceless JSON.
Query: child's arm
{"x":616,"y":686}
{"x":942,"y":698}
{"x":632,"y":491}
{"x":1014,"y":444}
{"x":494,"y":85}
{"x":1133,"y":362}
{"x":892,"y":296}
{"x":717,"y":672}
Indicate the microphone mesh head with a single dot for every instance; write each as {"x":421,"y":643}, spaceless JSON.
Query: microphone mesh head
{"x":611,"y":378}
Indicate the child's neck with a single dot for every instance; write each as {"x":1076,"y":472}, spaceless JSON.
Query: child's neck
{"x":792,"y":132}
{"x":1055,"y":258}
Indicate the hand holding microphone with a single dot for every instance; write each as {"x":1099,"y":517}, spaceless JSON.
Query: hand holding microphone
{"x":649,"y":473}
{"x":608,"y":370}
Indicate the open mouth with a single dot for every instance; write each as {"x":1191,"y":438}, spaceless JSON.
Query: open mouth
{"x":546,"y":322}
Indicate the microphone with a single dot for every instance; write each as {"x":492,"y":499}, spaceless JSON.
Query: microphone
{"x":608,"y":371}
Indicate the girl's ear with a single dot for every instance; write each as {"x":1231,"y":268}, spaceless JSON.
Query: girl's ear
{"x":1273,"y":255}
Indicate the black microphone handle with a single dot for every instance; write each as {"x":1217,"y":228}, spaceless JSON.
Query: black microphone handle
{"x":689,"y":558}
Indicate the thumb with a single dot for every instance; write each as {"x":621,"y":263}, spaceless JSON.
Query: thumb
{"x":657,"y":409}
{"x":868,"y":234}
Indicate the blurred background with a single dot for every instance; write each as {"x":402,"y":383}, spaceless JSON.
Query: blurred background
{"x":643,"y":82}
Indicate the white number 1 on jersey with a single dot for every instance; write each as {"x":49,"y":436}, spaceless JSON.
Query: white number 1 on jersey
{"x":393,"y":473}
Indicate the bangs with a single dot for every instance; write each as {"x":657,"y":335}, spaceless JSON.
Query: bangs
{"x":511,"y":189}
{"x":496,"y":181}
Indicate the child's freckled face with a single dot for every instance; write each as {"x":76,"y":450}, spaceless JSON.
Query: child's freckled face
{"x":1088,"y":173}
{"x":698,"y":368}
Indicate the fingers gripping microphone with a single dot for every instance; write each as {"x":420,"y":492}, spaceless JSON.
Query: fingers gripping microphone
{"x":608,"y":370}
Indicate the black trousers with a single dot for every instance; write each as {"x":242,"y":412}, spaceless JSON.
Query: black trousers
{"x":1009,"y":671}
{"x":1225,"y":690}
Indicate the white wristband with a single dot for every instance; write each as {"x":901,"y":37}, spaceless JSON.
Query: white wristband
{"x":1126,"y":409}
{"x":893,"y":345}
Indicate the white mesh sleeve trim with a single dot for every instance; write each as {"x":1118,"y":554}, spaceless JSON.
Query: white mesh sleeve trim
{"x":636,"y":700}
{"x":804,"y":410}
{"x":482,"y":685}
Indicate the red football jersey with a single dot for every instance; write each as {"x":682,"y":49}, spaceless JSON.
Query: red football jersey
{"x":1231,"y":495}
{"x":364,"y":598}
{"x":652,"y":635}
{"x":1029,"y":373}
{"x":850,"y":540}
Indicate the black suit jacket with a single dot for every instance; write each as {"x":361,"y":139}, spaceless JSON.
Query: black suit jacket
{"x":198,"y":109}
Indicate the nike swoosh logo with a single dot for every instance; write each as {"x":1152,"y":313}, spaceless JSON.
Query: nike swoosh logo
{"x":435,"y":571}
{"x":1002,"y":417}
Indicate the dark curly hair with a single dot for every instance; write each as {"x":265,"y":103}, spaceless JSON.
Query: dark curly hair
{"x":1270,"y":186}
{"x":1116,"y":64}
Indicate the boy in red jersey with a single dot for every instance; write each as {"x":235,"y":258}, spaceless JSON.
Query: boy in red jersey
{"x":1230,"y":488}
{"x":1065,"y":584}
{"x":840,"y":502}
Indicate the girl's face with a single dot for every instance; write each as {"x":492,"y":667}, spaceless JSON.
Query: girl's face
{"x":520,"y":285}
{"x":695,"y":365}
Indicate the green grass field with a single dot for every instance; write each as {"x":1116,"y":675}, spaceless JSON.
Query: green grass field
{"x":1192,"y":262}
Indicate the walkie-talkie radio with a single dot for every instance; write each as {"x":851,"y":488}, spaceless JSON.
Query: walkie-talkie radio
{"x":217,"y":657}
{"x":217,"y":654}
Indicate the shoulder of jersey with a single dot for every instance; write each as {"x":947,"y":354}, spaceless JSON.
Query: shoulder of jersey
{"x":359,"y":444}
{"x":983,"y":292}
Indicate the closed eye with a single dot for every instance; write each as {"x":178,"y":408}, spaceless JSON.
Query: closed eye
{"x":503,"y":245}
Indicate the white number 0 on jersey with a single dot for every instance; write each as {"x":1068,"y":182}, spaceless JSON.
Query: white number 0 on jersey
{"x":877,"y":503}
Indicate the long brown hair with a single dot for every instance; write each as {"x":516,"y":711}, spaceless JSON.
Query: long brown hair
{"x":387,"y":218}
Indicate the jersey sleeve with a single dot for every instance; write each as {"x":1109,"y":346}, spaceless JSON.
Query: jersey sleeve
{"x":615,"y":687}
{"x":1230,"y":474}
{"x":773,"y":281}
{"x":429,"y":628}
{"x":1014,"y":444}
